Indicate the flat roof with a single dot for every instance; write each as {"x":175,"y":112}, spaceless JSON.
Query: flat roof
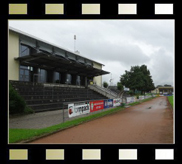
{"x":58,"y":63}
{"x":36,"y":38}
{"x":164,"y":87}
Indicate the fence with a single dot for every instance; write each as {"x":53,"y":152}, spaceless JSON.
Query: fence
{"x":87,"y":107}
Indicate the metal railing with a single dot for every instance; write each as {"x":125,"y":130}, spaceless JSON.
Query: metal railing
{"x":104,"y":91}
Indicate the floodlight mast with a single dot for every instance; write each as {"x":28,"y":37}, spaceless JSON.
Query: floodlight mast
{"x":111,"y":80}
{"x":74,"y":43}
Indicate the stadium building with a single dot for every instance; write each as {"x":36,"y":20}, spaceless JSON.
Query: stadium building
{"x":34,"y":60}
{"x":47,"y":76}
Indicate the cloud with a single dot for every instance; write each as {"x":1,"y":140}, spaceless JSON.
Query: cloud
{"x":118,"y":44}
{"x":162,"y":67}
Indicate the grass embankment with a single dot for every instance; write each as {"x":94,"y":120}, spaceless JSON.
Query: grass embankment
{"x":170,"y":98}
{"x":18,"y":135}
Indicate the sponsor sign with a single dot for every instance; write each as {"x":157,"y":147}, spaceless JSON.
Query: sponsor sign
{"x":108,"y":103}
{"x":77,"y":109}
{"x":141,"y":97}
{"x":117,"y":102}
{"x":132,"y":99}
{"x":129,"y":100}
{"x":96,"y":105}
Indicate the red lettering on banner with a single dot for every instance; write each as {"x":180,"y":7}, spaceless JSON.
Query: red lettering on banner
{"x":96,"y":105}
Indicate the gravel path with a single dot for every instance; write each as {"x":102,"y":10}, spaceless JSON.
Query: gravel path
{"x":149,"y":122}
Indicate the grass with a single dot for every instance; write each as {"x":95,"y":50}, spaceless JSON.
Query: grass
{"x":18,"y":135}
{"x":170,"y":98}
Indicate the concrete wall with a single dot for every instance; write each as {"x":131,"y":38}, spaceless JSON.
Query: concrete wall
{"x":97,"y":79}
{"x":13,"y":51}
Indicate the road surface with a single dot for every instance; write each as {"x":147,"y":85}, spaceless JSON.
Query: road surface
{"x":148,"y":122}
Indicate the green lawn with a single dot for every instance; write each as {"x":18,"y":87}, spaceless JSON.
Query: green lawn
{"x":17,"y":135}
{"x":170,"y":98}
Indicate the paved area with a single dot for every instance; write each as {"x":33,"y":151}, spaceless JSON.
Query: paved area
{"x":37,"y":120}
{"x":149,"y":122}
{"x":42,"y":119}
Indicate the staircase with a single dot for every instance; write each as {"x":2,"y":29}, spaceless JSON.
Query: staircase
{"x":104,"y":91}
{"x":44,"y":96}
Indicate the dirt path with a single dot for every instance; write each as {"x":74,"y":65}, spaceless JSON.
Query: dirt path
{"x":149,"y":122}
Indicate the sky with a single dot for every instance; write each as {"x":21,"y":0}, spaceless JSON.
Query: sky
{"x":118,"y":44}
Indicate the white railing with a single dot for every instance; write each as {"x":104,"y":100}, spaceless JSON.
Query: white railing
{"x":104,"y":91}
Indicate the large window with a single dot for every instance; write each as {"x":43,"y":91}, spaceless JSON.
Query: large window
{"x":25,"y":50}
{"x":56,"y":77}
{"x":42,"y":76}
{"x":68,"y":79}
{"x":24,"y":73}
{"x":78,"y":80}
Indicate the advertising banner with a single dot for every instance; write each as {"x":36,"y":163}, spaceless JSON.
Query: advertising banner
{"x":77,"y":109}
{"x":141,"y":97}
{"x":96,"y":105}
{"x":108,"y":103}
{"x":129,"y":100}
{"x":117,"y":102}
{"x":132,"y":99}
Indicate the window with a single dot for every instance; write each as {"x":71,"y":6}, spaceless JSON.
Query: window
{"x":56,"y":77}
{"x":25,"y":50}
{"x":78,"y":80}
{"x":42,"y":78}
{"x":24,"y":73}
{"x":68,"y":79}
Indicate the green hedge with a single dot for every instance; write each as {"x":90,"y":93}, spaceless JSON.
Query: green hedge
{"x":17,"y":104}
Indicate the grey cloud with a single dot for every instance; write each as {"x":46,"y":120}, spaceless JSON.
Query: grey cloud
{"x":111,"y":41}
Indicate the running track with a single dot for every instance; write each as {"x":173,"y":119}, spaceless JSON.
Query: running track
{"x":148,"y":122}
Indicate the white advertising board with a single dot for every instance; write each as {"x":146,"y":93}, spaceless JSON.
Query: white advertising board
{"x":78,"y":109}
{"x":129,"y":100}
{"x":117,"y":102}
{"x":141,"y":97}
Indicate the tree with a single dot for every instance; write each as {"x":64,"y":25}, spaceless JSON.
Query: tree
{"x":119,"y":86}
{"x":105,"y":84}
{"x":138,"y":78}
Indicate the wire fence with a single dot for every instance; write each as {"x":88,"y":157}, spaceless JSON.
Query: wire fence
{"x":74,"y":110}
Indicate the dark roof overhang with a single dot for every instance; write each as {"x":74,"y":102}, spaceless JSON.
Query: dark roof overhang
{"x":62,"y":64}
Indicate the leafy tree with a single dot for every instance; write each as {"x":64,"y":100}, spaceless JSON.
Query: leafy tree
{"x":138,"y":78}
{"x":119,"y":86}
{"x":105,"y":84}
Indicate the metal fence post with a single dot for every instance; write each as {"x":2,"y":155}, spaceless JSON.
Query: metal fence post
{"x":63,"y":113}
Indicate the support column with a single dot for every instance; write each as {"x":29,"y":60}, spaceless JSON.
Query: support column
{"x":86,"y":84}
{"x":63,"y":78}
{"x":50,"y":75}
{"x":74,"y":78}
{"x":82,"y":78}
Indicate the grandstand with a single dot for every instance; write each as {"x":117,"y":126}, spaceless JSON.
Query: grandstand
{"x":43,"y":97}
{"x":47,"y":76}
